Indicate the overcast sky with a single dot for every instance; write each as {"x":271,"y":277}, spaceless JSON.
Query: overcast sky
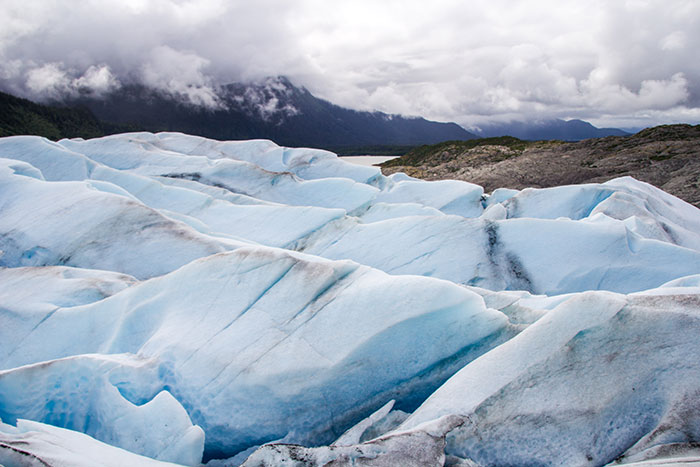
{"x":619,"y":63}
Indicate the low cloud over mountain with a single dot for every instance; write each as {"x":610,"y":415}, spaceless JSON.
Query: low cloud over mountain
{"x":619,"y":64}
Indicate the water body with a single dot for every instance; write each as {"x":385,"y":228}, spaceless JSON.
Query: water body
{"x":367,"y":160}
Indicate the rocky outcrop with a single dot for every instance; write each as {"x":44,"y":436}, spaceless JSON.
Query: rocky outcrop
{"x":666,"y":156}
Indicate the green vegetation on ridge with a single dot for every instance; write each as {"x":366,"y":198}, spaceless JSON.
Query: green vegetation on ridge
{"x":450,"y":149}
{"x":22,"y":117}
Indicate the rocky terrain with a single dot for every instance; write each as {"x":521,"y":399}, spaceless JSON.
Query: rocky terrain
{"x":666,"y":156}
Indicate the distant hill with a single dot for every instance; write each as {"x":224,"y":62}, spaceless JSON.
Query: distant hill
{"x":22,"y":117}
{"x":666,"y":156}
{"x":565,"y":130}
{"x":274,"y":109}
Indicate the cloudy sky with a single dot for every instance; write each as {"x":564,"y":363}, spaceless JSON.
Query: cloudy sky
{"x":621,"y":63}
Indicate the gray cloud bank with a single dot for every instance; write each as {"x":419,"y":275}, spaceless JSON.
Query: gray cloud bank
{"x":615,"y":63}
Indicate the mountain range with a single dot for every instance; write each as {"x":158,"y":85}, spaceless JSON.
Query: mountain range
{"x":272,"y":109}
{"x":538,"y":130}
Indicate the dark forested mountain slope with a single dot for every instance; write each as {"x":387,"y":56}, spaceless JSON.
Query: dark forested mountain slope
{"x":274,"y":109}
{"x":22,"y":117}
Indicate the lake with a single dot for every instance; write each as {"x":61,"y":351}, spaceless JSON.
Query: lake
{"x":367,"y":160}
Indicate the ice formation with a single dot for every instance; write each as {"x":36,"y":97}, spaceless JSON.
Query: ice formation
{"x":166,"y":298}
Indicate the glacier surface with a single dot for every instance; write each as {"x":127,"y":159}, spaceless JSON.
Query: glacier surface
{"x":169,"y":299}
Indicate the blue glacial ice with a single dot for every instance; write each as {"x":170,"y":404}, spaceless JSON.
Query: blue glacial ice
{"x":262,"y":343}
{"x":179,"y":298}
{"x":35,"y":444}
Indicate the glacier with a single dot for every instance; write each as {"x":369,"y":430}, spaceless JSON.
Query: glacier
{"x":167,"y":299}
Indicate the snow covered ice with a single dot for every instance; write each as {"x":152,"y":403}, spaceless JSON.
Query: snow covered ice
{"x":166,"y":298}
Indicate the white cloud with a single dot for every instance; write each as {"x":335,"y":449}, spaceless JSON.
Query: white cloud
{"x":652,"y":95}
{"x":96,"y":79}
{"x":48,"y":80}
{"x":180,"y":74}
{"x":674,"y":41}
{"x":52,"y":81}
{"x":445,"y":59}
{"x":11,"y":69}
{"x":262,"y":99}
